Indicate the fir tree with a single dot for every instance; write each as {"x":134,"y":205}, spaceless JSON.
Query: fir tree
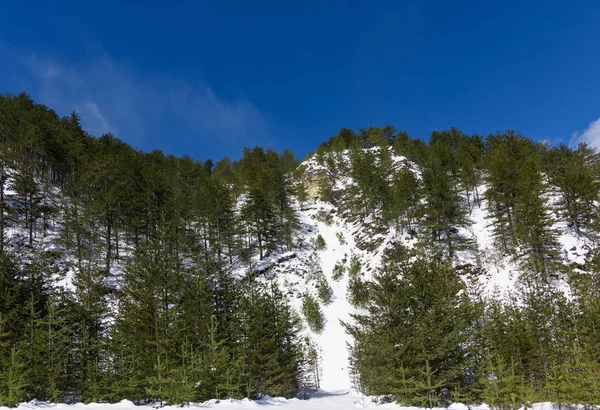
{"x":312,"y":313}
{"x":12,"y":379}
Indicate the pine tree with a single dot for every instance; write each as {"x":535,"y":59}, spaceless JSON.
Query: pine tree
{"x":57,"y":347}
{"x":184,"y":375}
{"x":325,"y":291}
{"x":444,"y":211}
{"x":469,"y":157}
{"x":159,"y":382}
{"x":312,"y":362}
{"x":427,"y":387}
{"x":407,"y":389}
{"x":89,"y":318}
{"x":417,"y":313}
{"x":34,"y":347}
{"x":574,"y":177}
{"x":260,"y":217}
{"x":533,"y":224}
{"x":312,"y":313}
{"x":12,"y":380}
{"x":146,"y":310}
{"x":213,"y":367}
{"x":271,"y":346}
{"x":505,"y":154}
{"x":405,"y":203}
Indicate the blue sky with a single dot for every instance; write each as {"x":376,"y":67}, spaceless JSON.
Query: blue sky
{"x":207,"y":78}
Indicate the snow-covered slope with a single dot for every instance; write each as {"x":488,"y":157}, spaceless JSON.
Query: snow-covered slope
{"x":299,"y":271}
{"x":346,"y":237}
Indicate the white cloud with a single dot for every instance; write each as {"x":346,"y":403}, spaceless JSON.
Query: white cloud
{"x":591,"y":135}
{"x":112,"y":97}
{"x":93,"y":118}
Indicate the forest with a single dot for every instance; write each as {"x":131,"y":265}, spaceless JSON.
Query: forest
{"x":155,"y":312}
{"x":424,"y":333}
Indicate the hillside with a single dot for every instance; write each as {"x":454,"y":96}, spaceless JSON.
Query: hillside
{"x":379,"y":268}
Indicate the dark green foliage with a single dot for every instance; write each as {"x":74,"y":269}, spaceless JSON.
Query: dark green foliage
{"x":516,"y":196}
{"x":269,"y":325}
{"x":150,"y":234}
{"x":533,"y":224}
{"x":312,"y":313}
{"x":267,"y":212}
{"x":325,"y":291}
{"x":13,"y":379}
{"x":469,"y":158}
{"x":325,"y":190}
{"x":320,"y":243}
{"x":424,"y":331}
{"x":156,"y":236}
{"x":573,"y":172}
{"x":358,"y":290}
{"x":406,"y":194}
{"x":368,"y":169}
{"x":444,"y":211}
{"x":338,"y":271}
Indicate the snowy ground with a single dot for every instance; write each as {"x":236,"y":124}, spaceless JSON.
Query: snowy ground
{"x":323,"y":401}
{"x":333,"y":341}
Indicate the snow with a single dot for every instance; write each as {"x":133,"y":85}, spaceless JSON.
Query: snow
{"x":501,"y":271}
{"x":298,"y":271}
{"x":334,"y":339}
{"x":322,"y":400}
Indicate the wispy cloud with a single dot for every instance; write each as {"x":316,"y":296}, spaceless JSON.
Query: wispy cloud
{"x":111,"y":96}
{"x":591,"y":135}
{"x":95,"y":120}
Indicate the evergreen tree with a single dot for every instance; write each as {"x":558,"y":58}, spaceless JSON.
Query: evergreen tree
{"x":533,"y":224}
{"x":271,"y":345}
{"x":579,"y":189}
{"x":427,"y":326}
{"x":312,"y":313}
{"x":444,"y":211}
{"x":12,"y":380}
{"x":146,"y":310}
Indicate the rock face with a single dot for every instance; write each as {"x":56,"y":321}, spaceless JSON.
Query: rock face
{"x":314,"y":179}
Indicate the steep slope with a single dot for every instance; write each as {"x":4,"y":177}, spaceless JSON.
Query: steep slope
{"x":369,"y":242}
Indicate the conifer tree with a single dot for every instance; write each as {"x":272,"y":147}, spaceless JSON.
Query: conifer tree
{"x":212,"y":369}
{"x":579,"y":187}
{"x":469,"y":157}
{"x":312,"y":313}
{"x":184,"y":375}
{"x":147,"y":308}
{"x":533,"y":224}
{"x":269,"y":326}
{"x":444,"y":212}
{"x":405,"y":199}
{"x":429,"y":323}
{"x":13,"y":379}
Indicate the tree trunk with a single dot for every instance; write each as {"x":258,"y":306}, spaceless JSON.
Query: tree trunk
{"x":29,"y":217}
{"x":2,"y":180}
{"x":108,"y":239}
{"x":116,"y":243}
